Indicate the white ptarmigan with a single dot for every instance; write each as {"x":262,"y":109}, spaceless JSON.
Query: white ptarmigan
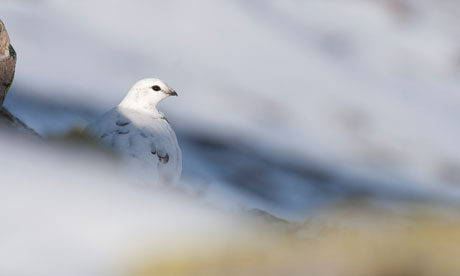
{"x":136,"y":129}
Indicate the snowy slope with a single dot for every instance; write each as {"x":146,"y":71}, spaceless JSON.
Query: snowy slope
{"x":369,"y":88}
{"x":74,"y":213}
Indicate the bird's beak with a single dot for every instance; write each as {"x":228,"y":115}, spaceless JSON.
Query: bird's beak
{"x":172,"y":93}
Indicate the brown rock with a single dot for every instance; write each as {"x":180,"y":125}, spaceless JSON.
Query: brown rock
{"x":7,"y":63}
{"x":7,"y":68}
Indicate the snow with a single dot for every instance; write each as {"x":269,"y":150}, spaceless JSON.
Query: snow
{"x":74,"y":213}
{"x":363,"y":90}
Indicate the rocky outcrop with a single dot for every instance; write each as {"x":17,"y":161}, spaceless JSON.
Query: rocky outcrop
{"x":9,"y":120}
{"x":7,"y":69}
{"x":7,"y":63}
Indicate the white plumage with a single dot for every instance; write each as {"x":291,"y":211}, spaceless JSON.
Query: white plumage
{"x":136,"y":129}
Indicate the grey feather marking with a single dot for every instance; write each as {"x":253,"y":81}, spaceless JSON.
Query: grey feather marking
{"x":122,"y":122}
{"x":164,"y":118}
{"x":123,"y":131}
{"x":153,"y":148}
{"x":164,"y":159}
{"x":163,"y":156}
{"x":144,"y":135}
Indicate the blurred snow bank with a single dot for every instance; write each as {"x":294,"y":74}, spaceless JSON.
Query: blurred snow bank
{"x":302,"y":99}
{"x":66,"y":210}
{"x":69,"y":209}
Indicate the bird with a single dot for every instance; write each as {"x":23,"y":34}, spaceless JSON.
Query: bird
{"x":7,"y":63}
{"x":137,"y":130}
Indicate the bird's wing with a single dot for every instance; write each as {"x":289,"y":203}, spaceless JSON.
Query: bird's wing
{"x":105,"y":126}
{"x":148,"y":140}
{"x":116,"y":131}
{"x":154,"y":137}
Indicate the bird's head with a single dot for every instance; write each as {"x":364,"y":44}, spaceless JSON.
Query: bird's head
{"x":147,"y":93}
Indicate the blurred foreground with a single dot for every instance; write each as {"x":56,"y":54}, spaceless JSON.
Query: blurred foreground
{"x":72,"y":210}
{"x":425,"y":246}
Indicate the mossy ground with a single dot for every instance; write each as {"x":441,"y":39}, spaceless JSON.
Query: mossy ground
{"x":381,"y":243}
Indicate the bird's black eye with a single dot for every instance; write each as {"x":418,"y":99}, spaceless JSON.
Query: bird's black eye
{"x":156,"y":88}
